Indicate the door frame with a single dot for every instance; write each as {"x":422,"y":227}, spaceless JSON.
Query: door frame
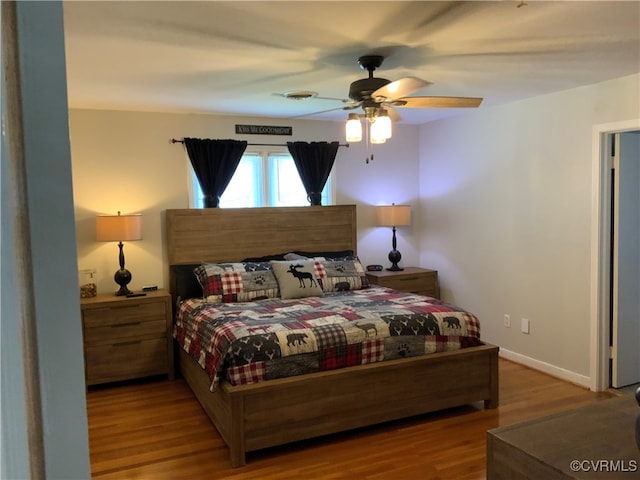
{"x":600,"y":249}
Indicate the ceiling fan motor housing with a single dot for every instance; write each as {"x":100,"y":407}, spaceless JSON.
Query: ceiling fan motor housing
{"x":362,"y":89}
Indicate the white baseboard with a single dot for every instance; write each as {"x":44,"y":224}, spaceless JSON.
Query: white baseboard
{"x":547,"y":368}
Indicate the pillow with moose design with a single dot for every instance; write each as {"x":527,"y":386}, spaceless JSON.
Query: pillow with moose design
{"x":297,"y":279}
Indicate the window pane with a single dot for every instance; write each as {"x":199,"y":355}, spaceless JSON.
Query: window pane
{"x":326,"y":192}
{"x":285,"y":186}
{"x":245,"y":188}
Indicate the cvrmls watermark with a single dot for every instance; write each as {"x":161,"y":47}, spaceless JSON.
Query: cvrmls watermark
{"x":604,"y":465}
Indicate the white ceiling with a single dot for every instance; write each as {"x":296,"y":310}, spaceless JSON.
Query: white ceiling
{"x":236,"y":57}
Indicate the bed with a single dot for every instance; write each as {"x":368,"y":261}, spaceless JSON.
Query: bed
{"x":256,"y":414}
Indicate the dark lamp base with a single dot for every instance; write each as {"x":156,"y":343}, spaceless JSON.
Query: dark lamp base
{"x":122,"y":278}
{"x":394,"y":258}
{"x":395,"y":268}
{"x":123,"y":291}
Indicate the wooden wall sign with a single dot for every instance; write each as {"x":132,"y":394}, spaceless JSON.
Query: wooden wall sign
{"x":263,"y":130}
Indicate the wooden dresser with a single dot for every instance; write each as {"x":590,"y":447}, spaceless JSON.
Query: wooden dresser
{"x":412,"y":279}
{"x":127,"y":338}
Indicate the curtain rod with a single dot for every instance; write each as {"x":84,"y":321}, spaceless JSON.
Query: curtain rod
{"x":173,"y":140}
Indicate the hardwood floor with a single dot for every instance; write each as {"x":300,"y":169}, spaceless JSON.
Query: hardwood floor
{"x":157,"y":430}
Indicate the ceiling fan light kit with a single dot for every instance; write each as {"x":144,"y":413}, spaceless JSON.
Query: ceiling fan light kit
{"x":378,"y":97}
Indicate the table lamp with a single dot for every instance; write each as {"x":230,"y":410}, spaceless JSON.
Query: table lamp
{"x":393,"y":216}
{"x":119,"y":228}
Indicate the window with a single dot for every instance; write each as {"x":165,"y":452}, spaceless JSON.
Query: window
{"x":262,"y":180}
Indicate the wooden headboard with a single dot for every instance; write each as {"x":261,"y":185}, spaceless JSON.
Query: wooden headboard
{"x":232,"y":234}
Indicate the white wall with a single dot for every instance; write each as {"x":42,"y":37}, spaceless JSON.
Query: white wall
{"x":124,"y":161}
{"x":506,"y":196}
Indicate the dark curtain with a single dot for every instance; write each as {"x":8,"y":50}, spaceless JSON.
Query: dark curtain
{"x":214,"y":162}
{"x":314,"y":161}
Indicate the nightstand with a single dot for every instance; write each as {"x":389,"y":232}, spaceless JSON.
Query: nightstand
{"x":412,"y":279}
{"x":127,"y":338}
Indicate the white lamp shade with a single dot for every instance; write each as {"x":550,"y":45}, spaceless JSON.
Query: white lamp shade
{"x":393,"y":215}
{"x":353,"y":128}
{"x":116,"y":228}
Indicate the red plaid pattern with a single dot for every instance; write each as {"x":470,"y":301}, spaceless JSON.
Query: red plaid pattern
{"x":319,"y":270}
{"x":434,"y":306}
{"x":373,"y":351}
{"x":473,"y":325}
{"x":311,"y":316}
{"x":350,"y":314}
{"x":213,"y":286}
{"x":438,"y":343}
{"x":341,"y":356}
{"x":195,"y":346}
{"x":245,"y":374}
{"x":231,"y":282}
{"x":225,"y":333}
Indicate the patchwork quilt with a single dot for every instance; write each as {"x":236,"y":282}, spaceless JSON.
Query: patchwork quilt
{"x":273,"y":338}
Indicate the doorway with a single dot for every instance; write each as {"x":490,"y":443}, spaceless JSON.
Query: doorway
{"x":606,"y":260}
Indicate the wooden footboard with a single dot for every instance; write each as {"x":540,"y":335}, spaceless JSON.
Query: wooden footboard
{"x":253,"y":417}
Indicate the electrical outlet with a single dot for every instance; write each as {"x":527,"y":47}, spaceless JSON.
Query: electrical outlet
{"x":524,"y":327}
{"x":507,"y":320}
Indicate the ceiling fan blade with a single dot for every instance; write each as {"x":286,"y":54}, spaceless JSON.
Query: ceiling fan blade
{"x":309,"y":95}
{"x":393,"y":113}
{"x":349,"y":107}
{"x":399,"y":88}
{"x":438,"y":102}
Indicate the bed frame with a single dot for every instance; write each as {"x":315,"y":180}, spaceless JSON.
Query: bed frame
{"x":253,"y":417}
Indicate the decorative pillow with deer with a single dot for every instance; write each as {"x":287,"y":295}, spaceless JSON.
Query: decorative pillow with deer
{"x":237,"y":282}
{"x":297,"y":278}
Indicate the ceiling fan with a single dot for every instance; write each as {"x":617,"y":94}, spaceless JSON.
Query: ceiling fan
{"x":380,"y":92}
{"x":379,"y":97}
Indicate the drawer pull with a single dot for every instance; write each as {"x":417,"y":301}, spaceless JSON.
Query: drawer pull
{"x":130,"y":324}
{"x":128,"y":305}
{"x":122,"y":344}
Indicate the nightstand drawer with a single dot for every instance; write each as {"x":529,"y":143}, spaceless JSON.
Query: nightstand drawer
{"x":133,"y":330}
{"x":411,"y":283}
{"x":126,"y":359}
{"x":124,"y":314}
{"x":416,"y":280}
